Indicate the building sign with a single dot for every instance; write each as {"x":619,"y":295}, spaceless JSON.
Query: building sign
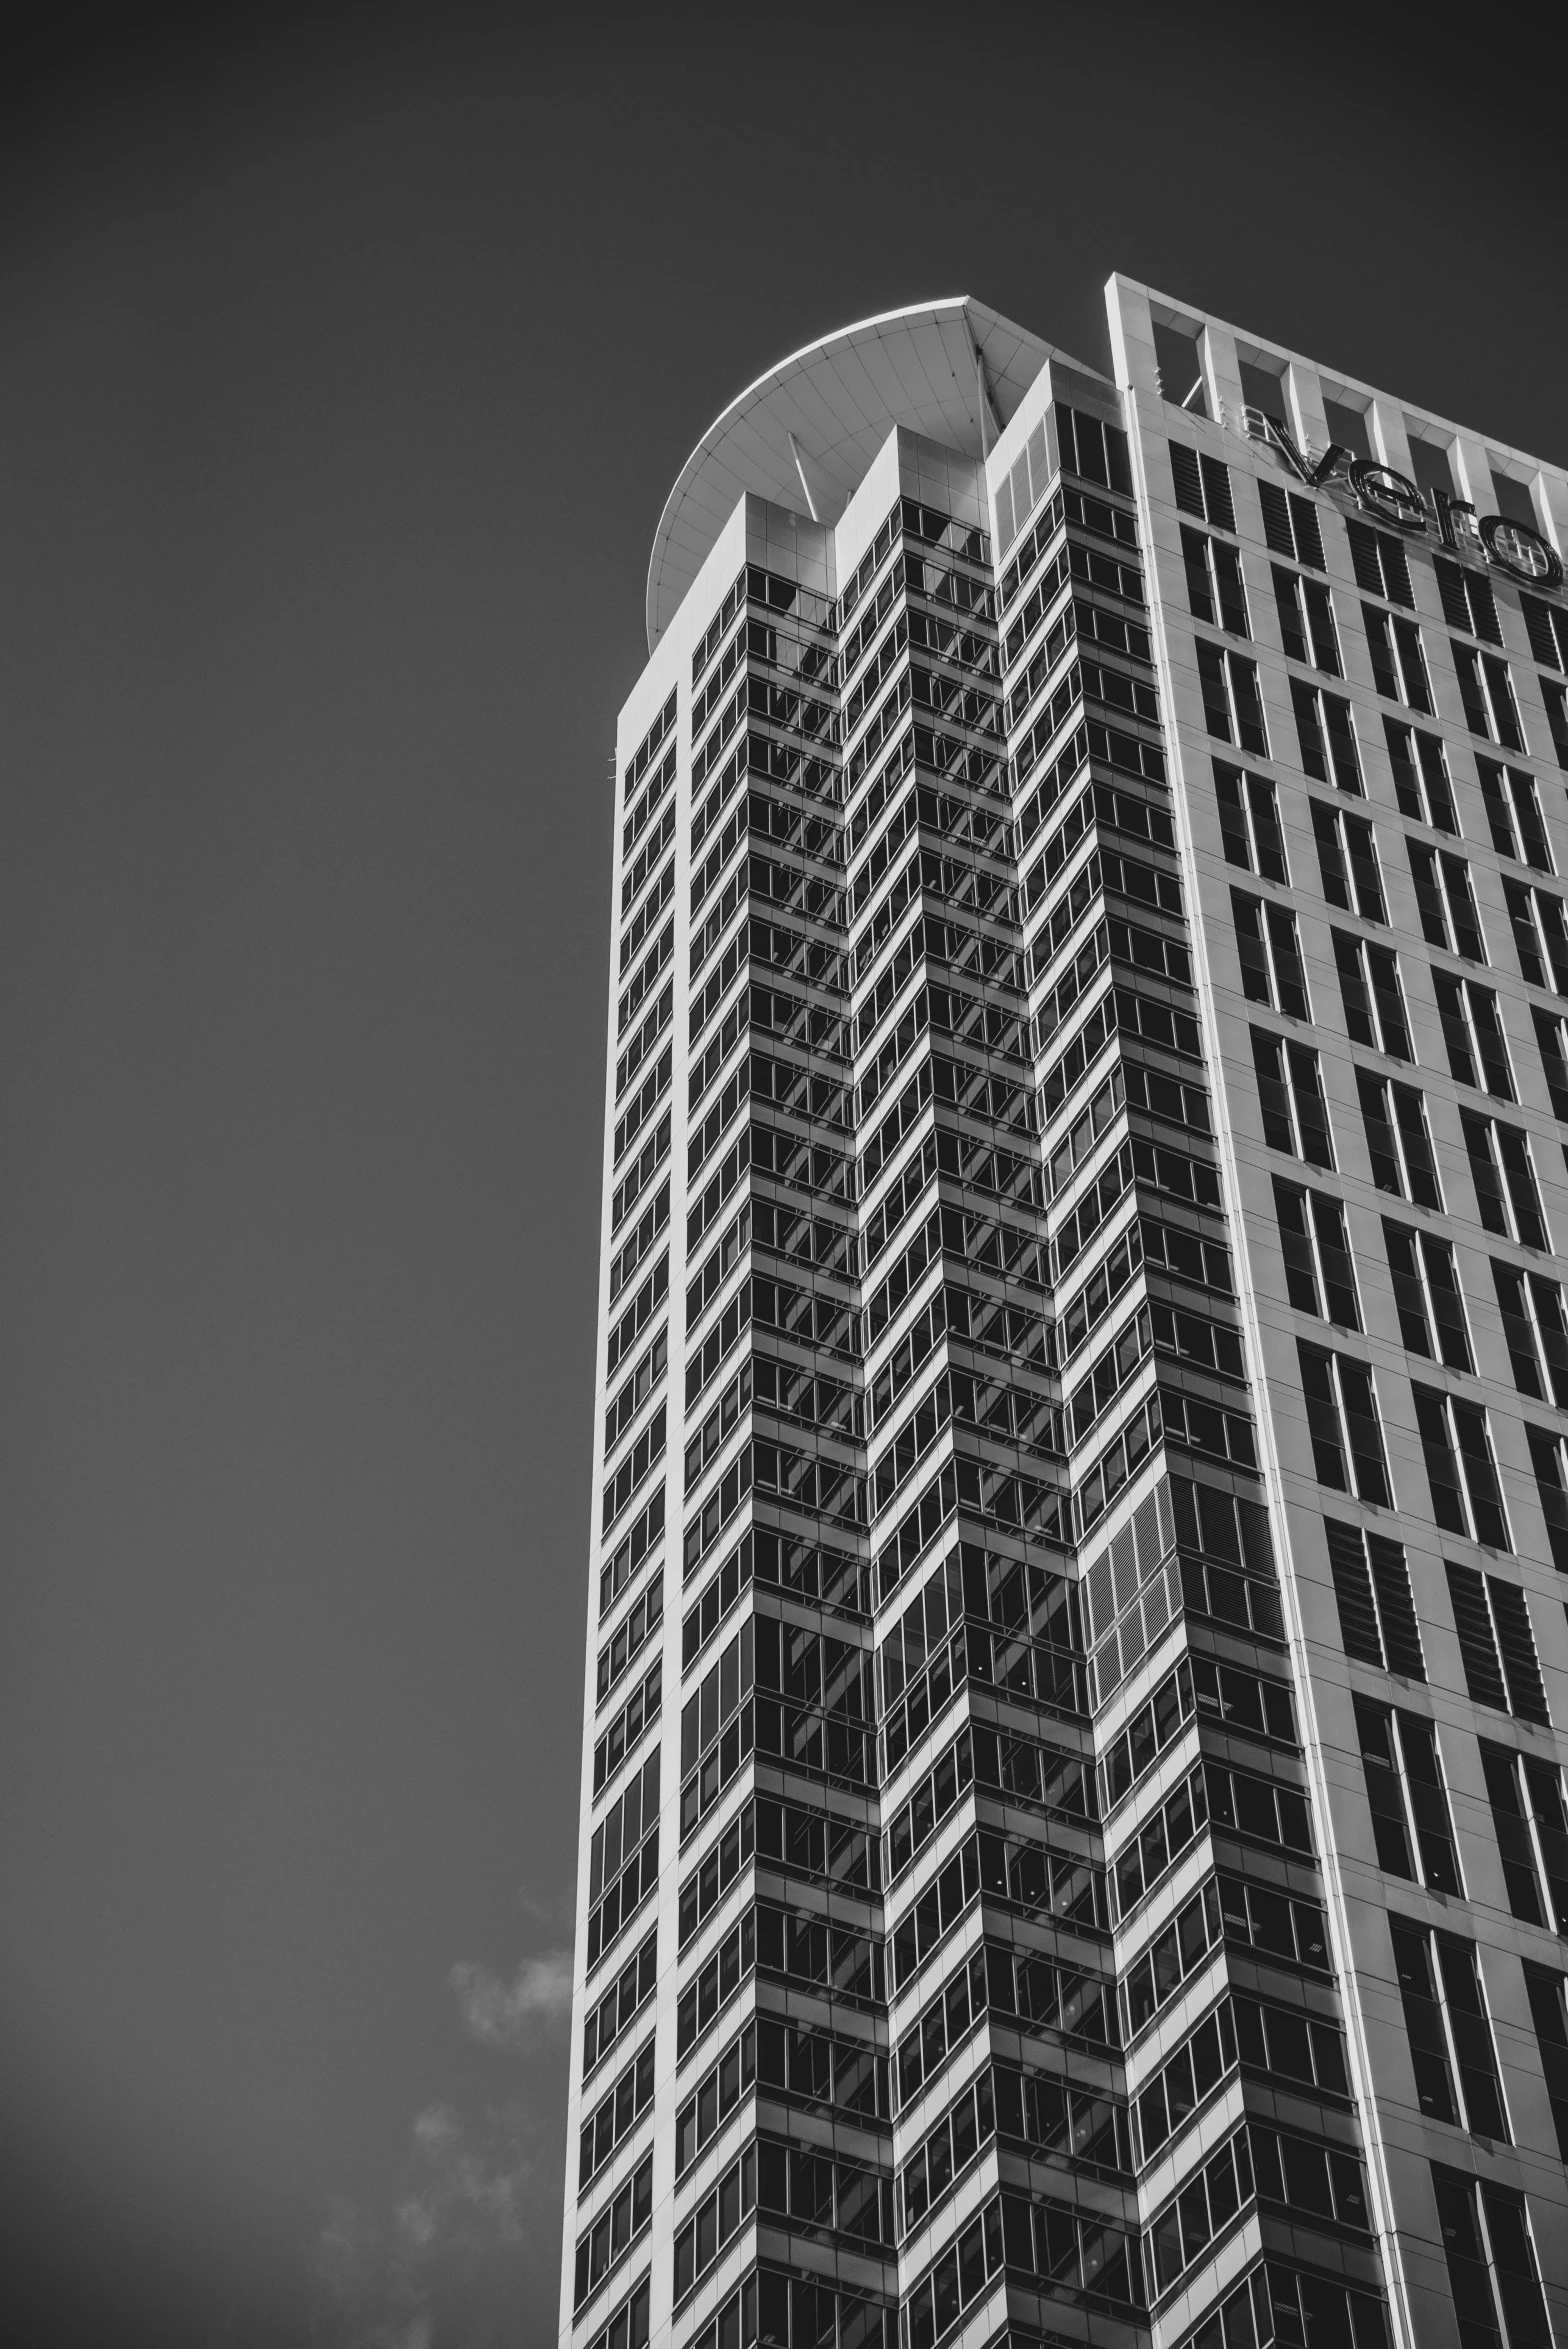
{"x":1516,"y":548}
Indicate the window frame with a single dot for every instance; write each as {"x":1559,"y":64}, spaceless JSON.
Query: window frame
{"x":1520,"y":1831}
{"x":1291,"y":1057}
{"x":1444,"y":1419}
{"x":1333,"y":1392}
{"x":1400,"y":1735}
{"x":1374,"y":971}
{"x":1318,"y":1253}
{"x":1237,"y":794}
{"x":1423,"y":1247}
{"x":1352,"y":842}
{"x":1241,"y":711}
{"x":1318,"y":737}
{"x":1442,"y":1955}
{"x":1392,"y":1090}
{"x":1268,"y":946}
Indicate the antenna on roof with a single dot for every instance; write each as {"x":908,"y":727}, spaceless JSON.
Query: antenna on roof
{"x":987,"y":404}
{"x":794,"y":450}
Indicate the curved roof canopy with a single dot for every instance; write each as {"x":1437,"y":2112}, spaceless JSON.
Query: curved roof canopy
{"x":837,"y":401}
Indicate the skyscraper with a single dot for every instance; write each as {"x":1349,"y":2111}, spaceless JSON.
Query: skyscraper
{"x":1073,"y":1834}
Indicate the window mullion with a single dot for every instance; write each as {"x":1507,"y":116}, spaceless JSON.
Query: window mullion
{"x":1492,"y":2276}
{"x":1343,"y":1416}
{"x":1399,"y":1145}
{"x":1463,"y":1465}
{"x":1412,"y":1823}
{"x":1472,"y":1030}
{"x":1456,"y":1454}
{"x":1450,"y":2035}
{"x":1543,"y":1876}
{"x":1428,"y":1298}
{"x":1317,"y":1261}
{"x":1364,"y":968}
{"x":1250,"y":821}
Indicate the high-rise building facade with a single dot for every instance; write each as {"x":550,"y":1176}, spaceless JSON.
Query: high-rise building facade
{"x":1074,"y":1844}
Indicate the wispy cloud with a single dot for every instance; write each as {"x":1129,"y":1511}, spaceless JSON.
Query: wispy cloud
{"x":515,"y":2015}
{"x":554,"y":1909}
{"x":460,"y":2193}
{"x":460,"y":2251}
{"x":470,"y":2233}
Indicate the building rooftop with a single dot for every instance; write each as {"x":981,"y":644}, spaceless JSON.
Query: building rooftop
{"x":805,"y":433}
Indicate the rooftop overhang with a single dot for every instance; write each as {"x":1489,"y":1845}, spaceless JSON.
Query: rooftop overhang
{"x":804,"y":435}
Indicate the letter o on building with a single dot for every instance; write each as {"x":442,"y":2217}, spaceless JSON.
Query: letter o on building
{"x":1520,"y":550}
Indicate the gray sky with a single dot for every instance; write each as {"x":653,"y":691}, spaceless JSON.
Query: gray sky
{"x":345,"y":362}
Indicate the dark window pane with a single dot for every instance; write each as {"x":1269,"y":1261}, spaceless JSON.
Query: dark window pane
{"x":1200,"y":597}
{"x":1273,"y":1097}
{"x":1353,"y":991}
{"x":1477,"y":1648}
{"x":1409,"y":1294}
{"x":1328,"y":1221}
{"x":1317,"y":1381}
{"x":1311,"y":1110}
{"x":1420,"y":1165}
{"x":1233,"y":820}
{"x":1247,"y":914}
{"x":1289,"y":973}
{"x":1518,"y":1328}
{"x":1395,"y":1606}
{"x":1453,"y":1337}
{"x":1358,"y":1621}
{"x":1290,"y":1207}
{"x":1287,"y":600}
{"x":1381,"y":1146}
{"x":1266,"y":833}
{"x":1441,"y":1466}
{"x":1365,"y":1433}
{"x":1331,"y":858}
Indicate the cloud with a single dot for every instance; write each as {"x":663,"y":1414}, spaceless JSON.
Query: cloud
{"x":468,"y":2242}
{"x":516,"y":2015}
{"x":556,"y":1909}
{"x":460,"y":2248}
{"x":460,"y":2195}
